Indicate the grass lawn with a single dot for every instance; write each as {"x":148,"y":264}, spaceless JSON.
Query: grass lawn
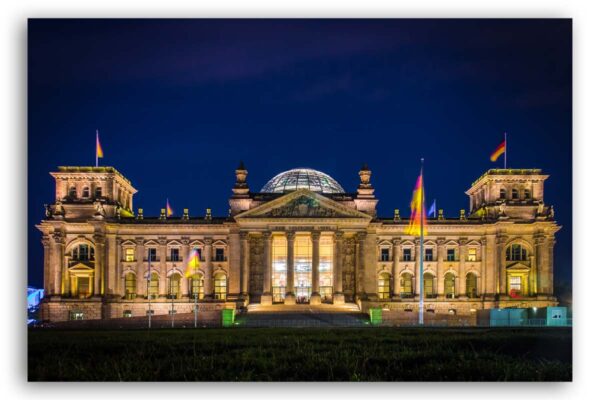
{"x":276,"y":354}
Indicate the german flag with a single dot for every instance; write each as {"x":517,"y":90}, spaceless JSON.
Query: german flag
{"x":499,"y":151}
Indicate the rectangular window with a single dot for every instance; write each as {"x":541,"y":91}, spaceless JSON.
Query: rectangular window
{"x":129,"y":254}
{"x":472,"y":256}
{"x":127,"y":314}
{"x":83,"y":286}
{"x":152,"y":255}
{"x":428,"y":254}
{"x":174,"y":254}
{"x":406,"y":255}
{"x":385,"y":255}
{"x":220,"y":255}
{"x":451,"y":255}
{"x":75,"y":315}
{"x":515,"y":283}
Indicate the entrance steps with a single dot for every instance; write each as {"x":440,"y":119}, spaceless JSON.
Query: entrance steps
{"x":302,"y":316}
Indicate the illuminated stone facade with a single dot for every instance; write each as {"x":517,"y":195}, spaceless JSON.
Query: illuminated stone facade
{"x":301,"y":239}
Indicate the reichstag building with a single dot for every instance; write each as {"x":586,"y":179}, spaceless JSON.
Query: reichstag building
{"x":301,"y":239}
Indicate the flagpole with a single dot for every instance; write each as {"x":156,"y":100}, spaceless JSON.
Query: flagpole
{"x":505,"y":149}
{"x":96,"y":148}
{"x":421,"y":246}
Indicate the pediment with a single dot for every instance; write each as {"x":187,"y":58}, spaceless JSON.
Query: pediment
{"x":80,"y":267}
{"x":518,"y":266}
{"x":302,"y":204}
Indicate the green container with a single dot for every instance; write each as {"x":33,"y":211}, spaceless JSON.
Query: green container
{"x":376,"y":315}
{"x":228,"y":317}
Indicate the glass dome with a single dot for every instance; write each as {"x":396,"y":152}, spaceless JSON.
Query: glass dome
{"x":302,"y":178}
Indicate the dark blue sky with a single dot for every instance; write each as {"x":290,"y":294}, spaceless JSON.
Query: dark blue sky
{"x":180,"y":102}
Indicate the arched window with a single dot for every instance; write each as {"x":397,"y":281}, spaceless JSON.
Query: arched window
{"x":527,"y":194}
{"x":516,"y":252}
{"x":383,"y":286}
{"x":197,"y":286}
{"x":406,"y":285}
{"x":514,"y":194}
{"x":153,"y":286}
{"x":86,"y":192}
{"x":83,"y":252}
{"x":72,"y":192}
{"x":449,"y":286}
{"x":130,"y":289}
{"x":502,"y":194}
{"x":428,"y":285}
{"x":174,"y":285}
{"x":98,"y":192}
{"x":220,"y":286}
{"x":471,"y":285}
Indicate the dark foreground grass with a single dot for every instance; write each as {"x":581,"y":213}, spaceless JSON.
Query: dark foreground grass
{"x":369,"y":354}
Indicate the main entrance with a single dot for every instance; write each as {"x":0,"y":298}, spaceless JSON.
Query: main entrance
{"x":303,"y":294}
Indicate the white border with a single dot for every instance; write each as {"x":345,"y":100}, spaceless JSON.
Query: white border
{"x":13,"y":20}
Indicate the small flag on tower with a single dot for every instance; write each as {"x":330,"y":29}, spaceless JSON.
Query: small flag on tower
{"x":499,"y":151}
{"x":417,"y":216}
{"x":169,"y":209}
{"x":432,"y":210}
{"x":99,"y":152}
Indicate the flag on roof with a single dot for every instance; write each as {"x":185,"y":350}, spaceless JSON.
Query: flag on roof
{"x":417,"y":215}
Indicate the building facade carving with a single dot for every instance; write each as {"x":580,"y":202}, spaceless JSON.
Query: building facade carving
{"x":302,"y":238}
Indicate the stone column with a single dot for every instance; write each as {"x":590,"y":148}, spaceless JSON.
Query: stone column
{"x":338,"y":295}
{"x":481,"y":288}
{"x":417,"y":267}
{"x":208,"y":279}
{"x":162,"y":257}
{"x":234,"y":261}
{"x":396,"y":268}
{"x":359,"y":275}
{"x":501,"y":264}
{"x":290,"y":295}
{"x":47,"y":267}
{"x":267,"y":295}
{"x":370,"y":256}
{"x":99,"y":265}
{"x":462,"y":259}
{"x":118,"y":280}
{"x":110,"y":274}
{"x":315,"y":297}
{"x":245,"y":275}
{"x":549,"y":270}
{"x":439,"y":274}
{"x":185,"y":282}
{"x":141,"y":283}
{"x":57,"y":265}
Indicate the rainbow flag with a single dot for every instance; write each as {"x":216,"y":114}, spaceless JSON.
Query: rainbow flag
{"x":99,"y":152}
{"x":499,"y":151}
{"x":193,"y":263}
{"x":417,"y":214}
{"x":169,"y":209}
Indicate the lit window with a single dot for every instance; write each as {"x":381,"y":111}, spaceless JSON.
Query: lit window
{"x":198,"y":286}
{"x":326,"y":267}
{"x":449,"y":286}
{"x":516,"y":252}
{"x":127,"y":314}
{"x":279,"y":267}
{"x":471,"y":285}
{"x":302,"y":267}
{"x":130,"y":286}
{"x":129,"y":254}
{"x":451,"y":255}
{"x":406,"y":285}
{"x":515,"y":284}
{"x":472,"y":255}
{"x":86,"y":192}
{"x":428,"y":254}
{"x":174,"y":285}
{"x":83,"y":252}
{"x":83,"y":287}
{"x":153,"y":286}
{"x":75,"y":315}
{"x":385,"y":255}
{"x":383,"y":286}
{"x":406,"y":255}
{"x":220,"y":287}
{"x":428,"y":285}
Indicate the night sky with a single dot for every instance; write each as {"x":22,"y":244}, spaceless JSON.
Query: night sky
{"x":179,"y":103}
